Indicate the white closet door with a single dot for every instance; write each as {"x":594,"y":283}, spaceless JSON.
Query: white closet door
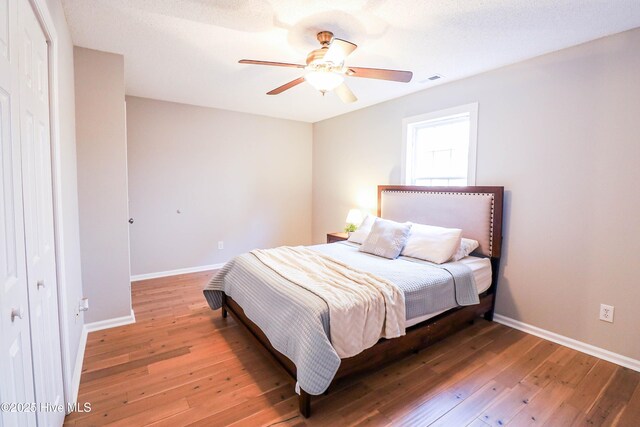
{"x":38,"y":215}
{"x":16,"y":381}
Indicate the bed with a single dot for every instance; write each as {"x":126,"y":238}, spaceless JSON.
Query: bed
{"x":265,"y":303}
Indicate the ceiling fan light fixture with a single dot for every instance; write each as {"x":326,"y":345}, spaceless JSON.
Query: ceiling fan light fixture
{"x":325,"y":69}
{"x":324,"y":81}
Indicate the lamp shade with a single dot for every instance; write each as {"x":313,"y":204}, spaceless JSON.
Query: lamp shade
{"x":354,"y":217}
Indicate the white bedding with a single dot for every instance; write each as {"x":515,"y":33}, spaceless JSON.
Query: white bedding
{"x":481,"y":268}
{"x":362,"y":307}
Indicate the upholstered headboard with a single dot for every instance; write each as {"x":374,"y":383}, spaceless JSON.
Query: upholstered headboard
{"x":476,"y":210}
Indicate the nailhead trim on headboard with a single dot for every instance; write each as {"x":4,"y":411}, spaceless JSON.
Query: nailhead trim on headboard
{"x":460,"y":194}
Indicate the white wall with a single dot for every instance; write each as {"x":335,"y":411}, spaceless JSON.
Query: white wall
{"x":239,"y":178}
{"x":561,"y":133}
{"x":68,"y":255}
{"x":102,"y":182}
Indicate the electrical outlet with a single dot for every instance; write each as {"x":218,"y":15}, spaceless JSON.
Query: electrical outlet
{"x":606,"y":312}
{"x":220,"y":244}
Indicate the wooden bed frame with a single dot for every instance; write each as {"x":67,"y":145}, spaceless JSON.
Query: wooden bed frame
{"x":417,"y":337}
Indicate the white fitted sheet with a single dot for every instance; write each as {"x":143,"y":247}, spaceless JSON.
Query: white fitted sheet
{"x":481,"y":268}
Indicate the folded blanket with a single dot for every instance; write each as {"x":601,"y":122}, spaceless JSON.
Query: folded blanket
{"x":362,"y":307}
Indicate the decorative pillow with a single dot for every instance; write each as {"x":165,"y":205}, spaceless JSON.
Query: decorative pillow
{"x":466,"y":247}
{"x":386,"y":239}
{"x":430,"y":243}
{"x":363,"y":231}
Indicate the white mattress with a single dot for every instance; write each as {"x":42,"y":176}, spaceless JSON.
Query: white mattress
{"x":481,"y":268}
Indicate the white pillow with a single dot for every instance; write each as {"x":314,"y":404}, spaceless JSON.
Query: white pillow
{"x":387,"y":238}
{"x":430,"y":243}
{"x":363,"y":231}
{"x":466,"y":247}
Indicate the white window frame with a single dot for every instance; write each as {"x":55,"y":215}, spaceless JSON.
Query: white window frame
{"x":409,"y":126}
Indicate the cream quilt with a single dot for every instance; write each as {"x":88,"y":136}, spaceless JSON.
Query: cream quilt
{"x":362,"y":307}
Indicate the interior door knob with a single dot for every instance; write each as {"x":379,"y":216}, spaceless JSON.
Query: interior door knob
{"x":40,"y":284}
{"x":130,"y":220}
{"x":17,"y":312}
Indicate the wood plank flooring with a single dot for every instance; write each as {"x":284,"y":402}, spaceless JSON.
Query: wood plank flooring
{"x":182,"y":364}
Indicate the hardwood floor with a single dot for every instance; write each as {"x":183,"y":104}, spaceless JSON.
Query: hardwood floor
{"x":182,"y":364}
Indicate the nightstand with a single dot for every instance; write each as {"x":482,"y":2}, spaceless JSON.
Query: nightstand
{"x":337,"y":237}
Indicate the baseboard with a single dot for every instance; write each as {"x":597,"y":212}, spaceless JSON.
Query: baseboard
{"x":176,"y":272}
{"x":77,"y":370}
{"x":92,"y":327}
{"x":111,"y":323}
{"x":592,"y":350}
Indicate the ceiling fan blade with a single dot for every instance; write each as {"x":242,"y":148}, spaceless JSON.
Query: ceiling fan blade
{"x":338,"y":50}
{"x":381,"y":74}
{"x":286,"y":86}
{"x":345,"y":94}
{"x":274,"y":64}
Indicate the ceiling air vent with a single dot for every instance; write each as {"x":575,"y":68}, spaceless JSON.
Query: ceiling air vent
{"x":432,"y":78}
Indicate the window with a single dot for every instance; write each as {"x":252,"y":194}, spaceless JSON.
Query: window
{"x":440,"y":147}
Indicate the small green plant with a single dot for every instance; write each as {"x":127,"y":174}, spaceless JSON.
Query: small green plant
{"x":350,"y":228}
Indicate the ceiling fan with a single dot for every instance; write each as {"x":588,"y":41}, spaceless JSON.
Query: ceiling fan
{"x":325,"y":69}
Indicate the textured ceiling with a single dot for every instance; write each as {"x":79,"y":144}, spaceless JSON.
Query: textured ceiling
{"x":188,"y":50}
